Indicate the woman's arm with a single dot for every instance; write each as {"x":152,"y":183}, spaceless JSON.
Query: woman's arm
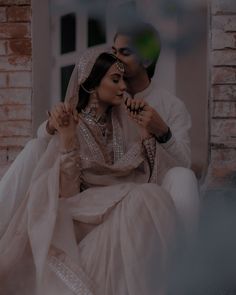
{"x":65,"y":121}
{"x":69,"y":173}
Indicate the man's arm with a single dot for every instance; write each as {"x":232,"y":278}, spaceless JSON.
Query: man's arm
{"x":172,"y":132}
{"x":178,"y":146}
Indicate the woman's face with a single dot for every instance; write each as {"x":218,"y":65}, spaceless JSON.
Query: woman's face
{"x":112,"y":86}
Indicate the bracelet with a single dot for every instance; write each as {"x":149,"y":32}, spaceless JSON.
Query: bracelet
{"x":165,"y":137}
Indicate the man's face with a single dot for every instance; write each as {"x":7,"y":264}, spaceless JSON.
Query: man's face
{"x":123,"y":50}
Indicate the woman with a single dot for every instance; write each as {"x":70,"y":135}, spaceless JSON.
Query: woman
{"x":92,"y":218}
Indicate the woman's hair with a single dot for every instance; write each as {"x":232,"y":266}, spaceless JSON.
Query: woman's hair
{"x":145,"y":40}
{"x":102,"y":65}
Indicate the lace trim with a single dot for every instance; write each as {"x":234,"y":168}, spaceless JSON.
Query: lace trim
{"x":71,"y":280}
{"x":118,"y":143}
{"x":154,"y":175}
{"x":95,"y":151}
{"x":132,"y":157}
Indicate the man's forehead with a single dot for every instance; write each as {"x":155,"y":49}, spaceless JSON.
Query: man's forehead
{"x":122,"y":41}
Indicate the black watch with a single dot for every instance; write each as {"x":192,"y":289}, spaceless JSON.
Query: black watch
{"x":165,"y":137}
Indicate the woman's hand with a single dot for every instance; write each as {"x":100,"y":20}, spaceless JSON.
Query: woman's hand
{"x":65,"y":120}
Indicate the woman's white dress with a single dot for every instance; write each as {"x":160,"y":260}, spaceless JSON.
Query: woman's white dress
{"x":113,"y":238}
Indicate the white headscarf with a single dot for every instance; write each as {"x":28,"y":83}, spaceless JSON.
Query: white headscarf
{"x":81,"y":72}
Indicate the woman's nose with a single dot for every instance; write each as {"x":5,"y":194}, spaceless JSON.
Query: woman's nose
{"x":123,"y":86}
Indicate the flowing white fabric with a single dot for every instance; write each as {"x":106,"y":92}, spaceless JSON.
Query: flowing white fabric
{"x":132,"y":229}
{"x":113,"y":237}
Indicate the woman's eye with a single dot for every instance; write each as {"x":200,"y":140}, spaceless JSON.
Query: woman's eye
{"x":115,"y":80}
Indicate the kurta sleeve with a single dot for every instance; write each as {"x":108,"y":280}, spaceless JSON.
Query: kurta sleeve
{"x":69,"y":174}
{"x":178,"y":146}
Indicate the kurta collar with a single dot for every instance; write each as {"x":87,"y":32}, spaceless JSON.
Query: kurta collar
{"x":144,"y":93}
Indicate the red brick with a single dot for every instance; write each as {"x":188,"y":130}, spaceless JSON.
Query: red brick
{"x":15,"y":112}
{"x":222,"y":40}
{"x":223,"y":6}
{"x":3,"y":16}
{"x":224,"y":109}
{"x":15,"y":2}
{"x":15,"y":128}
{"x":14,"y":141}
{"x":15,"y":30}
{"x":3,"y":80}
{"x":223,"y":75}
{"x":221,"y":174}
{"x":219,"y":155}
{"x":20,"y":79}
{"x":224,"y":22}
{"x":15,"y":63}
{"x":15,"y":96}
{"x":224,"y":58}
{"x":223,"y":133}
{"x":3,"y":47}
{"x":223,"y":127}
{"x":223,"y":92}
{"x":18,"y":14}
{"x":19,"y":47}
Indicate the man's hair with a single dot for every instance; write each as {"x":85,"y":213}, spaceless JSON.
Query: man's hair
{"x":145,"y":40}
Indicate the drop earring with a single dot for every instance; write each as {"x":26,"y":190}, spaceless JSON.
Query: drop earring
{"x":94,"y":104}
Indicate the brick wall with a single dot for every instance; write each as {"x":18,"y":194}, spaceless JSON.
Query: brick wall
{"x":15,"y":78}
{"x":16,"y":85}
{"x":222,"y":92}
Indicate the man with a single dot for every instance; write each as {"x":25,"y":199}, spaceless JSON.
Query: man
{"x":164,"y":115}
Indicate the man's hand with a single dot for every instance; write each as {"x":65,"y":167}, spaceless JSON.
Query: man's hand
{"x":146,"y":116}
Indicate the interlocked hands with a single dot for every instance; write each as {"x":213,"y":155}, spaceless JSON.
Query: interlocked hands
{"x":146,"y":116}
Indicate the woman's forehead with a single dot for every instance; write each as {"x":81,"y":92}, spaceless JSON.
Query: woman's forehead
{"x":113,"y":70}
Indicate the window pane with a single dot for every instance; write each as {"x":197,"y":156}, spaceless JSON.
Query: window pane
{"x":96,"y":30}
{"x":68,"y":33}
{"x":65,"y":77}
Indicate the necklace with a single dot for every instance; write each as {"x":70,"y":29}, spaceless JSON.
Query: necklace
{"x":100,"y":122}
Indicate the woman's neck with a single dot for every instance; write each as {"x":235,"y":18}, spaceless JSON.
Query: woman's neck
{"x":137,"y":83}
{"x":99,"y":111}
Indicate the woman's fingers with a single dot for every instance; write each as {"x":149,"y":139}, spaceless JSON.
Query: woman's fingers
{"x":54,"y":121}
{"x":61,"y":112}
